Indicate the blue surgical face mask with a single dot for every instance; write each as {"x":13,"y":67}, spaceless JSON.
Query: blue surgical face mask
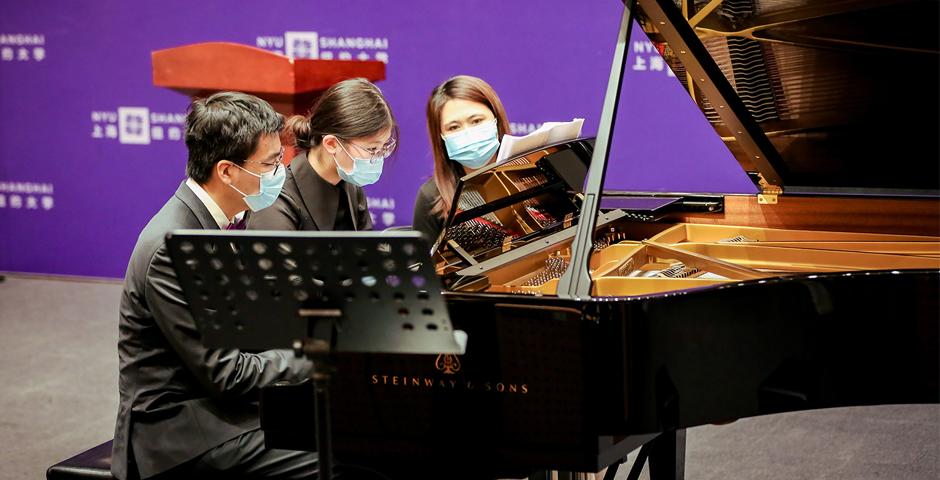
{"x":365,"y":171}
{"x":270,"y":187}
{"x":473,"y":147}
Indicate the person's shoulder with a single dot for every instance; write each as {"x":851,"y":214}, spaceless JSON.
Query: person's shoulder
{"x":172,"y":216}
{"x":287,"y":199}
{"x":429,"y":190}
{"x":289,"y":188}
{"x":284,"y":214}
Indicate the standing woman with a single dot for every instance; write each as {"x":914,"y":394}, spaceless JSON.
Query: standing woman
{"x":343,"y":144}
{"x":466,"y":120}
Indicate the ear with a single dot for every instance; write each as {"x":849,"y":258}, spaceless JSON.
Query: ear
{"x":330,"y":143}
{"x":224,"y":170}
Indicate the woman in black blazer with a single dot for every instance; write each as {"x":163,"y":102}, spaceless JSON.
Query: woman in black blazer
{"x":466,"y":121}
{"x":342,"y":147}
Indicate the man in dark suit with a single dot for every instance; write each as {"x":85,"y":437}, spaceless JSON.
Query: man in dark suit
{"x":187,"y":411}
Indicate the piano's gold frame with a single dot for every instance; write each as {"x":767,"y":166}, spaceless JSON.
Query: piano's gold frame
{"x":720,"y":254}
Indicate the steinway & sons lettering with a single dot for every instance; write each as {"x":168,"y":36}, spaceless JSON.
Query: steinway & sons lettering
{"x":449,"y":383}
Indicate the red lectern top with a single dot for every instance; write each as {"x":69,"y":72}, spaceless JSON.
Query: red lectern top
{"x":290,"y":85}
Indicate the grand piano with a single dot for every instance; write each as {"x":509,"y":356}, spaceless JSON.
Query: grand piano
{"x":599,"y":321}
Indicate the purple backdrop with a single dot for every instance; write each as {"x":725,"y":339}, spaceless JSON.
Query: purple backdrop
{"x":80,"y":175}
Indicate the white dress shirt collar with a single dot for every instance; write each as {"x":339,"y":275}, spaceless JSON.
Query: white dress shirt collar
{"x":217,"y":214}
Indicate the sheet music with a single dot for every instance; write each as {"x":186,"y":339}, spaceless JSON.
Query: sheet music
{"x":547,"y":134}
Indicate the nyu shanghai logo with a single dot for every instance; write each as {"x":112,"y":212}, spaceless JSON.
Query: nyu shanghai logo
{"x":22,"y":47}
{"x":311,"y":45}
{"x":646,"y":58}
{"x":134,"y":125}
{"x":137,"y":125}
{"x":302,"y":44}
{"x":523,"y":128}
{"x":384,"y":207}
{"x":26,"y":195}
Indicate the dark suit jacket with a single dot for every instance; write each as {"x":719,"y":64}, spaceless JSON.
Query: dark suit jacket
{"x":308,"y":202}
{"x":429,"y":224}
{"x":178,"y":398}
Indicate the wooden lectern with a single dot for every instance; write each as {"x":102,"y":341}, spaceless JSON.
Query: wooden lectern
{"x":291,"y":85}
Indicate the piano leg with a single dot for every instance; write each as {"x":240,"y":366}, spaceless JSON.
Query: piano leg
{"x":666,"y":455}
{"x":611,"y":472}
{"x":639,"y":462}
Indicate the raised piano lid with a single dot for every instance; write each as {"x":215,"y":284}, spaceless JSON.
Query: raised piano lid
{"x":818,"y":96}
{"x":815,"y":139}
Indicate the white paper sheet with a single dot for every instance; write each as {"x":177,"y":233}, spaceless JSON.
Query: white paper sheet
{"x":547,"y":134}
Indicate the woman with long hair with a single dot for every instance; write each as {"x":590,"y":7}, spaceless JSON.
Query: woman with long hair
{"x":466,"y":121}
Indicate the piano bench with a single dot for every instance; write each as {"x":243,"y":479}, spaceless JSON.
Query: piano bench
{"x":93,"y":463}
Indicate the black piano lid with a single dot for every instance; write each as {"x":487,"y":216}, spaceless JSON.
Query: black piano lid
{"x":810,"y":93}
{"x":818,"y":96}
{"x":835,"y":97}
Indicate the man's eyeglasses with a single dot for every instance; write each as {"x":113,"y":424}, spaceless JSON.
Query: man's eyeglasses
{"x":276,"y":163}
{"x":376,"y":153}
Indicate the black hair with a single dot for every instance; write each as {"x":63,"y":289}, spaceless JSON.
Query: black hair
{"x":226,"y":126}
{"x":352,"y":108}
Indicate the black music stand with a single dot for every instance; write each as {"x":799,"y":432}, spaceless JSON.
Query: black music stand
{"x":316,"y":293}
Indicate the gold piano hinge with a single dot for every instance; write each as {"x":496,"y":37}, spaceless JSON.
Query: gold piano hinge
{"x":568,"y":218}
{"x":768,"y":193}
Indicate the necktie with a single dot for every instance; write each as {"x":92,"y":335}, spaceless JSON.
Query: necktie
{"x":239,"y":225}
